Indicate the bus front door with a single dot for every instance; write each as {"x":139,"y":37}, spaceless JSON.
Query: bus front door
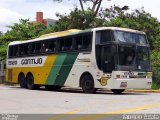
{"x":107,"y":60}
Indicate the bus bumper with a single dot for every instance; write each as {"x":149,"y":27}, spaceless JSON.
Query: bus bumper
{"x":132,"y":84}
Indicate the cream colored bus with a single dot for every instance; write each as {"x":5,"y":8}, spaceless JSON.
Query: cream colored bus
{"x":105,"y":57}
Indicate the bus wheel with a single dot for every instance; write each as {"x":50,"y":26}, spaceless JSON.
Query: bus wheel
{"x":22,"y":81}
{"x":53,"y":87}
{"x":87,"y":84}
{"x":117,"y":91}
{"x":30,"y":82}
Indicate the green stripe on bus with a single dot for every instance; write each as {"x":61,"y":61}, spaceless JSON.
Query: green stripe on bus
{"x":65,"y":69}
{"x":55,"y":69}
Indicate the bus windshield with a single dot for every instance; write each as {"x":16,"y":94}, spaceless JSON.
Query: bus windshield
{"x":131,"y":57}
{"x":129,"y":37}
{"x":130,"y":52}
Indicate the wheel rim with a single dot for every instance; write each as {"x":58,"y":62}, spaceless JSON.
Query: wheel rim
{"x":88,"y":84}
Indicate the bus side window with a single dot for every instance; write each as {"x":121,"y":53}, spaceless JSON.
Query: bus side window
{"x":11,"y":51}
{"x":43,"y":47}
{"x":32,"y":48}
{"x":106,"y":36}
{"x":83,"y":42}
{"x":79,"y":43}
{"x":52,"y":46}
{"x":23,"y":49}
{"x":15,"y":51}
{"x":65,"y":44}
{"x":87,"y":41}
{"x":68,"y":44}
{"x":61,"y":45}
{"x":37,"y":48}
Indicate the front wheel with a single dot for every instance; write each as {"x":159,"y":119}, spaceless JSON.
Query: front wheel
{"x":117,"y":91}
{"x":87,"y":84}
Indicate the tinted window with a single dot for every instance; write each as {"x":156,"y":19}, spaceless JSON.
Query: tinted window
{"x":23,"y":49}
{"x":13,"y":51}
{"x":65,"y":44}
{"x":129,"y":37}
{"x":103,"y":36}
{"x":83,"y":42}
{"x":49,"y":46}
{"x":35,"y":48}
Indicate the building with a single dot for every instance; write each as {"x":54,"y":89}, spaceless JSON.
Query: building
{"x":47,"y":22}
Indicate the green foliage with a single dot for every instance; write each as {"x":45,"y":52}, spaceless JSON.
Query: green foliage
{"x":139,"y":20}
{"x":156,"y":77}
{"x":1,"y":34}
{"x":77,"y":20}
{"x":23,"y":30}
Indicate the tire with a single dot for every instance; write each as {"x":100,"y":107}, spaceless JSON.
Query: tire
{"x":117,"y":91}
{"x":53,"y":87}
{"x":30,"y":82}
{"x":87,"y":84}
{"x":22,"y":81}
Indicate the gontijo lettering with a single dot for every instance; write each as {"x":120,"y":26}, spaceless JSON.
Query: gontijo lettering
{"x":31,"y":61}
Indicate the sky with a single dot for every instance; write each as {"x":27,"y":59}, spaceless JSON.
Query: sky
{"x":13,"y":10}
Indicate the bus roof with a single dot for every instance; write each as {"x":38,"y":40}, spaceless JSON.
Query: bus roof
{"x":49,"y":36}
{"x":62,"y":33}
{"x":118,"y":28}
{"x":72,"y":32}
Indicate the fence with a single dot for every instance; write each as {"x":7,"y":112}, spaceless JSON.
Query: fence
{"x":2,"y":71}
{"x":156,"y":77}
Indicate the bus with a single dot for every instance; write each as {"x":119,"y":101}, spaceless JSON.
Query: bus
{"x":99,"y":58}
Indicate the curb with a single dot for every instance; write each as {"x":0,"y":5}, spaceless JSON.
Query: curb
{"x":144,"y":91}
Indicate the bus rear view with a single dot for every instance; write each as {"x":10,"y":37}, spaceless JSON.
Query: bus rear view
{"x":124,"y":53}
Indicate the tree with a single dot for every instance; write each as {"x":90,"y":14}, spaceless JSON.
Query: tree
{"x":76,"y":20}
{"x":94,"y":7}
{"x":1,"y":33}
{"x":23,"y":30}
